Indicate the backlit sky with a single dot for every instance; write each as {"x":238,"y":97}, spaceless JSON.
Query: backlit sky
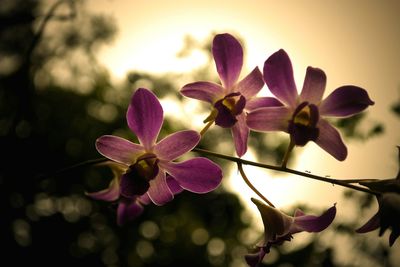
{"x":354,"y":42}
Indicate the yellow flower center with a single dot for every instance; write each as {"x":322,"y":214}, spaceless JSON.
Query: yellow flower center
{"x":228,"y":108}
{"x":145,"y":166}
{"x":137,"y":178}
{"x":229,"y":102}
{"x":232,"y":104}
{"x":303,"y":117}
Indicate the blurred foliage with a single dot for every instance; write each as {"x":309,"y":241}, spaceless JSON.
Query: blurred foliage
{"x":358,"y":127}
{"x":396,"y":107}
{"x":55,"y":100}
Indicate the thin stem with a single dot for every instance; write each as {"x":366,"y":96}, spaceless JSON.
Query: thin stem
{"x":249,"y":184}
{"x":344,"y":183}
{"x":78,"y":165}
{"x":287,"y":154}
{"x":208,"y":125}
{"x":351,"y":181}
{"x":287,"y":170}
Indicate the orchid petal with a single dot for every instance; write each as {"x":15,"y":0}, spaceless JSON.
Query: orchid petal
{"x":198,"y":175}
{"x":269,"y":119}
{"x":254,"y":259}
{"x":240,"y":134}
{"x":159,"y":192}
{"x":251,"y":84}
{"x":262,"y":102}
{"x":393,"y":236}
{"x":311,"y":223}
{"x":345,"y":101}
{"x":386,"y":217}
{"x":144,"y":199}
{"x":371,"y":225}
{"x":173,"y":185}
{"x":314,"y":86}
{"x":298,"y":213}
{"x":228,"y":56}
{"x":145,"y":117}
{"x":275,"y":222}
{"x":205,"y":91}
{"x":389,"y":211}
{"x":176,"y":144}
{"x":118,"y":149}
{"x":278,"y":75}
{"x":128,"y":210}
{"x":109,"y":194}
{"x":329,"y":140}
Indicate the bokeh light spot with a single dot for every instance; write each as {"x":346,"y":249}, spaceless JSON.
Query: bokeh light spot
{"x":200,"y":236}
{"x":22,"y":232}
{"x":149,"y":230}
{"x":215,"y":247}
{"x":144,"y":249}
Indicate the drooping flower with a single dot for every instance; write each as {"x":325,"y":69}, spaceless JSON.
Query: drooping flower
{"x":388,"y":215}
{"x":149,"y":163}
{"x":279,"y":227}
{"x":303,"y":116}
{"x":231,"y":100}
{"x":128,"y":208}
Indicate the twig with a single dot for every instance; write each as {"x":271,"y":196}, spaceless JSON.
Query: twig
{"x":287,"y":170}
{"x":70,"y":168}
{"x":249,"y":184}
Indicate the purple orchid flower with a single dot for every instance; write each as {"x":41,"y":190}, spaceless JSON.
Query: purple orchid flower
{"x":232,"y":99}
{"x":279,"y":227}
{"x":128,"y":208}
{"x":148,"y":163}
{"x":302,"y":116}
{"x":388,"y":215}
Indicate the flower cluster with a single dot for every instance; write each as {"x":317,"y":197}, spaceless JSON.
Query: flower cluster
{"x":235,"y":106}
{"x":147,"y":172}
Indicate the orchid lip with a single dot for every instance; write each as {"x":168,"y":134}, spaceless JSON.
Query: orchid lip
{"x":228,"y":108}
{"x":303,"y":125}
{"x":141,"y":173}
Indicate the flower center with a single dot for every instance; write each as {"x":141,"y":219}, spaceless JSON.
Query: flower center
{"x":230,"y":103}
{"x":141,"y":173}
{"x":228,"y":108}
{"x":303,"y":117}
{"x":145,"y":166}
{"x":303,"y":126}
